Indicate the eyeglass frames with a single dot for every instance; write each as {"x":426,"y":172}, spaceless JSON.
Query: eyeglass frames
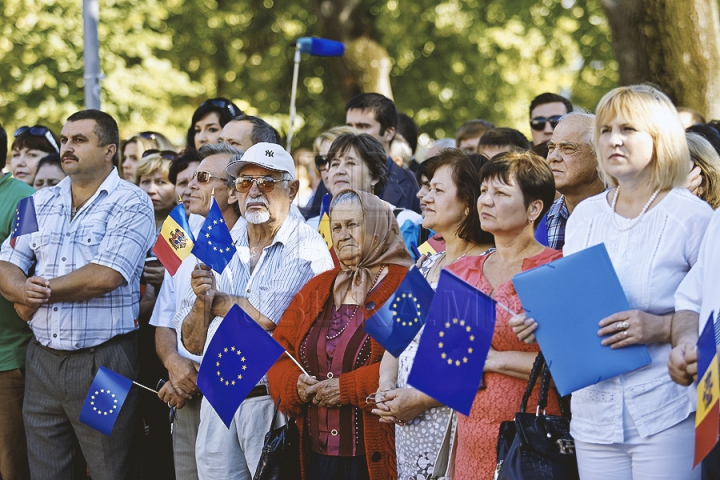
{"x":222,"y":103}
{"x":321,"y":162}
{"x":265,"y":184}
{"x":205,"y":176}
{"x":38,"y":131}
{"x":166,"y":154}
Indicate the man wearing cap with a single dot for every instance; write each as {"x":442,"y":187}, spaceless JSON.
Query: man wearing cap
{"x":277,"y":254}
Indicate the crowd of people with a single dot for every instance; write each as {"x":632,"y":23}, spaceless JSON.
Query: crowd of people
{"x":324,"y":238}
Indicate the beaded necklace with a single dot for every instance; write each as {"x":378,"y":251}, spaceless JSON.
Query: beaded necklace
{"x":352,"y":315}
{"x":634,"y":220}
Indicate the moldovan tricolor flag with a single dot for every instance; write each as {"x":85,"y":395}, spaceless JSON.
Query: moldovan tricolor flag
{"x":707,"y":417}
{"x":175,"y":241}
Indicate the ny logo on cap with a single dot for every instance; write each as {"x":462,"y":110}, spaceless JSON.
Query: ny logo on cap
{"x":269,"y":153}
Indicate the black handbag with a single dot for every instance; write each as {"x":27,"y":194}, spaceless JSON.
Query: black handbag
{"x":280,"y":459}
{"x":536,"y":446}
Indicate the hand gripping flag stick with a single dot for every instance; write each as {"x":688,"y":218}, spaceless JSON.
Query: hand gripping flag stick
{"x":317,"y":47}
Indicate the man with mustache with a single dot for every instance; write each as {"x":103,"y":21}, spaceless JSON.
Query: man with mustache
{"x":88,"y":253}
{"x":277,"y":253}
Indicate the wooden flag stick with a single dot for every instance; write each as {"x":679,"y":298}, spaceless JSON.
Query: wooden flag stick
{"x":146,"y":388}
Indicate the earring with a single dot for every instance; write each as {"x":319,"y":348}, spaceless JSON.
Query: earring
{"x":530,"y":221}
{"x":467,"y":211}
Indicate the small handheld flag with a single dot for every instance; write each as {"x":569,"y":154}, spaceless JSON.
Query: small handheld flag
{"x":395,"y":324}
{"x":175,"y":241}
{"x":25,"y":220}
{"x":107,"y":394}
{"x":324,"y":224}
{"x":320,"y":47}
{"x":453,"y":347}
{"x":707,"y":417}
{"x":238,"y":356}
{"x":432,"y":246}
{"x":214,"y":245}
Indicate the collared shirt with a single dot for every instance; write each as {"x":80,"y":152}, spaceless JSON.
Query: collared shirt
{"x":296,"y":254}
{"x":114,"y":228}
{"x":557,"y":217}
{"x":651,"y":259}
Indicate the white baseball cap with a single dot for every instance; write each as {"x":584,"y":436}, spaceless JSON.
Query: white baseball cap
{"x":266,"y":155}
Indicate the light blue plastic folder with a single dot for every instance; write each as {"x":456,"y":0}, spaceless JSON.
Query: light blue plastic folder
{"x":567,"y":298}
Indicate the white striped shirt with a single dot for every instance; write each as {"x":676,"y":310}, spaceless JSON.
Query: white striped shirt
{"x":296,"y":254}
{"x":114,"y":228}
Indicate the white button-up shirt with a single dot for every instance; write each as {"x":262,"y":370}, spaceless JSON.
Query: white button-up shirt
{"x":114,"y":228}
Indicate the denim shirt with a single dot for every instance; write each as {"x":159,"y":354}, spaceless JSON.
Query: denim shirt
{"x":651,"y":259}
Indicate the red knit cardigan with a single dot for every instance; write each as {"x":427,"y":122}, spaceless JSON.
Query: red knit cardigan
{"x":355,"y":386}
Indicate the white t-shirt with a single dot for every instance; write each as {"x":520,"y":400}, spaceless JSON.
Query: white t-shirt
{"x":651,"y":259}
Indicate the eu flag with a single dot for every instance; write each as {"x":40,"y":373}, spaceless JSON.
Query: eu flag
{"x":324,"y":223}
{"x":396,"y":323}
{"x":214,"y":245}
{"x":238,"y":356}
{"x":25,"y":220}
{"x":449,"y":362}
{"x":104,"y":400}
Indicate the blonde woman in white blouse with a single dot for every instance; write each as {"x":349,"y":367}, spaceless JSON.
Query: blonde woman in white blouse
{"x":639,"y":425}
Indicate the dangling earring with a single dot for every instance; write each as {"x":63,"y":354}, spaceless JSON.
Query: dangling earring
{"x":467,"y":211}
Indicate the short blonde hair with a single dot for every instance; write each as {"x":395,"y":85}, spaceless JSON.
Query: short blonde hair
{"x":706,"y":157}
{"x":151,"y":164}
{"x":651,"y":111}
{"x":331,"y":135}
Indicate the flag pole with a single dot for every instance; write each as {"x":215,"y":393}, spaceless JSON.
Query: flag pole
{"x":293,"y":95}
{"x":297,"y":363}
{"x":146,"y":388}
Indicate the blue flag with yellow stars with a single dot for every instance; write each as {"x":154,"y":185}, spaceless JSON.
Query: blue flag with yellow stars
{"x":453,"y":347}
{"x":396,"y":323}
{"x":107,"y":394}
{"x":25,"y":220}
{"x":214,"y":245}
{"x":238,"y":356}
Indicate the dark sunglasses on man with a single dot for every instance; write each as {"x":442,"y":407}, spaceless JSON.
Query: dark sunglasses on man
{"x":538,"y":123}
{"x":166,"y":154}
{"x":265,"y":184}
{"x":204,"y":176}
{"x":38,"y":131}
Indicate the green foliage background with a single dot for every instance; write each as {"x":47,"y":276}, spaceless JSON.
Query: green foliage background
{"x":452,"y":61}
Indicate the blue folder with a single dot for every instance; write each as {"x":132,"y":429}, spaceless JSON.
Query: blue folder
{"x":568,"y":298}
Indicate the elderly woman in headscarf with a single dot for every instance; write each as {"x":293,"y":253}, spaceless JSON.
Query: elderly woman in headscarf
{"x":323,"y":329}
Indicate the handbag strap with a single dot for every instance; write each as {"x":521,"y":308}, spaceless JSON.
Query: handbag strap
{"x":277,"y":407}
{"x":545,"y":387}
{"x":537,"y":366}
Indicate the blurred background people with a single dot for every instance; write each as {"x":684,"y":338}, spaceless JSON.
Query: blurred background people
{"x":132,"y":150}
{"x":208,"y":120}
{"x":49,"y":172}
{"x":31,"y":144}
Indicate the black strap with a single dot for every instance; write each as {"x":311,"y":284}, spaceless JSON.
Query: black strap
{"x":277,"y":407}
{"x":537,"y":366}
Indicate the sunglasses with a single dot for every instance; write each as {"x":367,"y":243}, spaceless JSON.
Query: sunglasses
{"x":205,"y":176}
{"x":166,"y":154}
{"x":38,"y":131}
{"x":321,"y":162}
{"x":265,"y":184}
{"x":222,"y":103}
{"x":538,"y":123}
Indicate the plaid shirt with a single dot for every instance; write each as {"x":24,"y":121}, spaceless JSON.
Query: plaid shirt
{"x":114,"y":228}
{"x":556,"y":219}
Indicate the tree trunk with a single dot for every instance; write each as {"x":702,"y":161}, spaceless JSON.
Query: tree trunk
{"x":366,"y":65}
{"x":674,"y":44}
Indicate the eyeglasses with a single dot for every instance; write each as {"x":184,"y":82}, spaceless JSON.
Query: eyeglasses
{"x":166,"y":154}
{"x":38,"y":131}
{"x":148,"y":135}
{"x":538,"y":123}
{"x":222,"y":103}
{"x":265,"y":184}
{"x":205,"y":176}
{"x":321,"y":162}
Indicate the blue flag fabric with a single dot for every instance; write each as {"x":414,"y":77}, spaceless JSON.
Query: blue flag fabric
{"x":214,"y":245}
{"x":453,"y":347}
{"x":104,"y":400}
{"x":238,"y":356}
{"x":25,"y":220}
{"x":401,"y":317}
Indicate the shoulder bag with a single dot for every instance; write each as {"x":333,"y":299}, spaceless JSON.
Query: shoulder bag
{"x":280,"y":458}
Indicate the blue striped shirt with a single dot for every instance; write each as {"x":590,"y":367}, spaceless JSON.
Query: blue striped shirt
{"x":114,"y":228}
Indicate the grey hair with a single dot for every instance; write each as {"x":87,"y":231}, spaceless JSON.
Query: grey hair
{"x":444,"y":143}
{"x":261,"y":130}
{"x":590,"y":117}
{"x":210,"y":149}
{"x":344,"y":198}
